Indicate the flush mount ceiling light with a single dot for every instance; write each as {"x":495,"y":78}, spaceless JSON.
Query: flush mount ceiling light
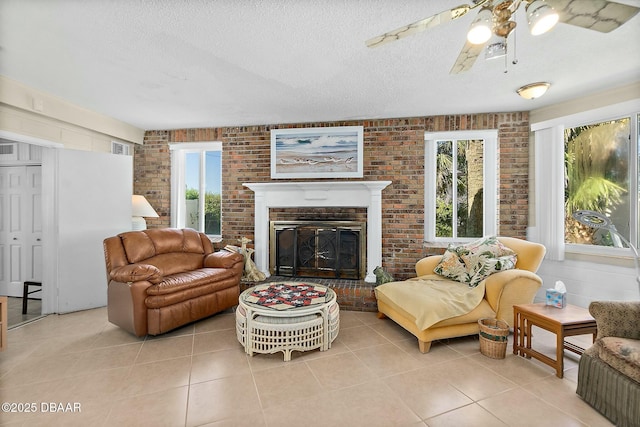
{"x":533,"y":90}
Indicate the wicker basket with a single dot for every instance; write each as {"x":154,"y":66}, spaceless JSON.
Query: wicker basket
{"x":494,"y":334}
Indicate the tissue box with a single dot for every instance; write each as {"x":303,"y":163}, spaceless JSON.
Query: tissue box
{"x":556,"y":298}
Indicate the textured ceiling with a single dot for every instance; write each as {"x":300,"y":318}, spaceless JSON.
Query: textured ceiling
{"x":165,"y":64}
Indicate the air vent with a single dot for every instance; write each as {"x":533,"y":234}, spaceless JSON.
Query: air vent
{"x":8,"y":152}
{"x":119,"y":148}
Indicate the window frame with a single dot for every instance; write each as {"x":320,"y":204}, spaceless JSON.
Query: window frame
{"x":178,"y":172}
{"x":490,"y":181}
{"x":551,"y":232}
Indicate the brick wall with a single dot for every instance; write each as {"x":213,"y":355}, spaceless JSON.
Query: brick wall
{"x":393,"y":150}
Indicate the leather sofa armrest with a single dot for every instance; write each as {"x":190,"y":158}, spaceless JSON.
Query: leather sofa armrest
{"x":505,"y":289}
{"x":223,"y":259}
{"x":136,"y":273}
{"x":617,"y":318}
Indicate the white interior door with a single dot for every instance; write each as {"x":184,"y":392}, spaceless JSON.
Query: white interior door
{"x":33,"y":224}
{"x":93,"y":202}
{"x":20,"y":227}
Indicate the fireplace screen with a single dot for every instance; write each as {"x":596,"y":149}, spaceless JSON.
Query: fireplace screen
{"x":318,"y":249}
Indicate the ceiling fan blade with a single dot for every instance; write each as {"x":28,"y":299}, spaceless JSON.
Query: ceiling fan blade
{"x":419,"y":26}
{"x":598,"y":15}
{"x":467,"y":57}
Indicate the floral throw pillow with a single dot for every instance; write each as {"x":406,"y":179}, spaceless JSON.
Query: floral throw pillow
{"x":452,"y":266}
{"x":487,"y":266}
{"x":475,"y":261}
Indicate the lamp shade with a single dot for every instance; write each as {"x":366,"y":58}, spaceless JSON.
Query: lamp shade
{"x":533,"y":90}
{"x":141,"y":209}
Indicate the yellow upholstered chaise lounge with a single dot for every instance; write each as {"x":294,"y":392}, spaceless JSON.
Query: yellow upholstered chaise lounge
{"x":499,"y":293}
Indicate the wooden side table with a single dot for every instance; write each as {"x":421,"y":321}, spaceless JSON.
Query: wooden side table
{"x":3,"y":323}
{"x":564,"y":322}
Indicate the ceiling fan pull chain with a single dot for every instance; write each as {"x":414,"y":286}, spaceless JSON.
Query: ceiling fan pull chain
{"x":515,"y":50}
{"x":505,"y":63}
{"x":506,"y":55}
{"x":514,"y":61}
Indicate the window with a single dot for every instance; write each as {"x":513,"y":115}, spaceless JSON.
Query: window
{"x":460,"y":185}
{"x":587,"y":160}
{"x":601,"y":175}
{"x":196,"y":186}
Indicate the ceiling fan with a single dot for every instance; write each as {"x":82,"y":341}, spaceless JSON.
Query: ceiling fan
{"x":494,"y":20}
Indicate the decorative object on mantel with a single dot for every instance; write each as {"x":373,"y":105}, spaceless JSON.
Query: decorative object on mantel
{"x":251,"y":272}
{"x":328,"y":152}
{"x":141,"y":209}
{"x":382,"y":276}
{"x":597,"y":220}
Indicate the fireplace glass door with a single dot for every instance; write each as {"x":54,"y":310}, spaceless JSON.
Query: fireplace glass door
{"x":304,"y":249}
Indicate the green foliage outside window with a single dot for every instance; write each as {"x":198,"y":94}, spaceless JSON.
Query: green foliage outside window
{"x":596,"y":172}
{"x":444,"y":218}
{"x":468,"y":171}
{"x":191,"y":194}
{"x":212,"y":210}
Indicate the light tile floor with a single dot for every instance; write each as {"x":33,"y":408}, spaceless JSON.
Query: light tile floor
{"x":14,"y":312}
{"x":198,"y":375}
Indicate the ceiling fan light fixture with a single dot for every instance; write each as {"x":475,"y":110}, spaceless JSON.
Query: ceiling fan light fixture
{"x":533,"y":90}
{"x":480,"y":31}
{"x":541,"y":17}
{"x":497,"y":48}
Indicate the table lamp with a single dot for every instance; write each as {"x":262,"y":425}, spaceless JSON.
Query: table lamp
{"x":141,"y":209}
{"x":597,"y":220}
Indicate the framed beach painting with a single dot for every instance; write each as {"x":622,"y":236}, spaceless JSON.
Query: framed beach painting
{"x":329,"y":152}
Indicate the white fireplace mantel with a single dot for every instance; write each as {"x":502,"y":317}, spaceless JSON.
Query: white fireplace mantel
{"x":319,"y":194}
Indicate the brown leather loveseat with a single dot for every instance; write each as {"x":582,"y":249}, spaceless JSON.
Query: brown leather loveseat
{"x":160,"y":279}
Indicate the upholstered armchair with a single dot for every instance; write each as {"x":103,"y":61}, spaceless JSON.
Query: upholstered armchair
{"x":609,"y":370}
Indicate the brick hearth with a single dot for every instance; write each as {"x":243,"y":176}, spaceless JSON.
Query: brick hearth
{"x":353,"y":295}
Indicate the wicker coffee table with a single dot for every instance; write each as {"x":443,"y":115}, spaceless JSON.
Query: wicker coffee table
{"x":287,"y":316}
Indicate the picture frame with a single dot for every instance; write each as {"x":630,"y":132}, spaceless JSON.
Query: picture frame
{"x":323,"y":152}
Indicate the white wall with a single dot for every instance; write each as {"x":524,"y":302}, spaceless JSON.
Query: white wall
{"x":588,"y":281}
